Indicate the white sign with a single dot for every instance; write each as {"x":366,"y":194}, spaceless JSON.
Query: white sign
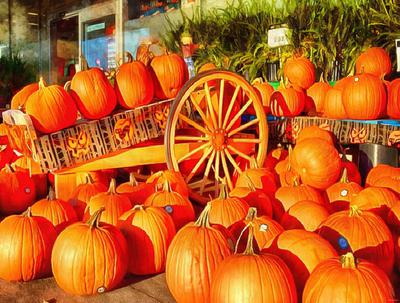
{"x":96,"y":27}
{"x":278,"y":37}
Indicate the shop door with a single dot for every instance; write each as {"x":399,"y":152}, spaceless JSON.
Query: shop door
{"x":64,"y":49}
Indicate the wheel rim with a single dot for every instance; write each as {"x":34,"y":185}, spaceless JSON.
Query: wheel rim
{"x":209,"y":104}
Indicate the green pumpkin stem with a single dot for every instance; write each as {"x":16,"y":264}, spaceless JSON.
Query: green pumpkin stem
{"x":355,"y":211}
{"x":344,"y":178}
{"x":113,"y":185}
{"x":348,"y":261}
{"x":42,"y":83}
{"x":93,"y":222}
{"x":203,"y":220}
{"x":52,"y":194}
{"x":321,"y":78}
{"x":27,"y":213}
{"x":132,"y":180}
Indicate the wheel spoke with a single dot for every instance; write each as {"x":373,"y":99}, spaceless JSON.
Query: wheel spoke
{"x":242,"y":127}
{"x":230,"y":107}
{"x":239,"y":153}
{"x":210,"y":106}
{"x":239,"y":114}
{"x":221,"y":102}
{"x":245,"y":140}
{"x":216,"y":171}
{"x":191,"y":138}
{"x":198,"y":164}
{"x":196,"y":150}
{"x":198,"y":184}
{"x":201,"y":113}
{"x":207,"y":172}
{"x":233,"y":162}
{"x":226,"y":171}
{"x":194,"y":124}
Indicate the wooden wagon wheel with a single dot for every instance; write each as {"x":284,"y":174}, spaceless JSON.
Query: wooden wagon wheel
{"x":206,"y":118}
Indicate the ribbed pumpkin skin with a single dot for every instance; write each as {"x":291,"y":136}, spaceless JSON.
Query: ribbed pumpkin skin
{"x":193,"y":256}
{"x":262,"y":178}
{"x":317,"y":163}
{"x":302,"y":251}
{"x":149,"y":232}
{"x":227,"y":211}
{"x":253,"y":279}
{"x":341,"y":84}
{"x":93,"y":94}
{"x":333,"y":104}
{"x":287,"y":102}
{"x":51,"y":109}
{"x":341,"y":193}
{"x":367,"y":236}
{"x":134,"y":86}
{"x":375,"y":61}
{"x":299,"y":71}
{"x":393,"y":106}
{"x":289,"y":196}
{"x":314,"y":132}
{"x":136,"y":194}
{"x":58,"y":212}
{"x":392,"y":183}
{"x":26,"y":245}
{"x":19,"y":99}
{"x":170,"y":74}
{"x":176,"y":180}
{"x":254,"y":198}
{"x":264,"y":91}
{"x":380,"y":171}
{"x":364,"y":97}
{"x":330,"y":282}
{"x":86,"y":260}
{"x":317,"y":92}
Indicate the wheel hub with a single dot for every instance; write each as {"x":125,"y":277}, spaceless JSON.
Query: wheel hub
{"x":218,"y":139}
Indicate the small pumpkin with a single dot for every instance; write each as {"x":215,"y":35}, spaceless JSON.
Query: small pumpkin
{"x":84,"y":252}
{"x":175,"y":179}
{"x":275,"y":156}
{"x":317,"y":92}
{"x":264,"y":90}
{"x":26,"y":245}
{"x":18,"y":101}
{"x":300,"y":71}
{"x":149,"y":232}
{"x":135,"y":191}
{"x":374,"y":61}
{"x":333,"y":104}
{"x":287,"y":102}
{"x":393,"y":103}
{"x":51,"y":108}
{"x":344,"y":277}
{"x":193,"y":256}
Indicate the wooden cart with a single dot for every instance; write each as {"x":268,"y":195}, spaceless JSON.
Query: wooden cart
{"x":204,"y":136}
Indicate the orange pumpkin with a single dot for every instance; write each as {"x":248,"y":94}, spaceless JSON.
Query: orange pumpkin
{"x":287,"y":175}
{"x":177,"y":206}
{"x":227,"y":210}
{"x":302,"y":251}
{"x":19,"y":99}
{"x":317,"y":163}
{"x":381,"y":171}
{"x":114,"y":205}
{"x":261,"y":178}
{"x":393,"y":219}
{"x":341,"y":84}
{"x":89,"y":258}
{"x":134,"y":85}
{"x":391,"y":182}
{"x":315,"y":132}
{"x":241,"y":278}
{"x":361,"y":232}
{"x":17,"y":191}
{"x":175,"y":179}
{"x":193,"y":256}
{"x":93,"y":94}
{"x":135,"y":191}
{"x":26,"y":245}
{"x":149,"y":232}
{"x":374,"y":61}
{"x":264,"y":90}
{"x":393,"y":103}
{"x":206,"y":67}
{"x":333,"y":104}
{"x":287,"y":102}
{"x":345,"y":279}
{"x":307,"y":215}
{"x":299,"y":71}
{"x":317,"y":92}
{"x":364,"y":97}
{"x":353,"y":173}
{"x":275,"y":156}
{"x":51,"y":108}
{"x":170,"y":73}
{"x":58,"y":212}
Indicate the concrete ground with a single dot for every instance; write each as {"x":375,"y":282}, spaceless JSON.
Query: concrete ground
{"x":151,"y":289}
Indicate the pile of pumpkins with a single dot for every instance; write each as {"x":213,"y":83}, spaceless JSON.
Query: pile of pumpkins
{"x":363,"y":96}
{"x":299,"y":229}
{"x":90,"y":92}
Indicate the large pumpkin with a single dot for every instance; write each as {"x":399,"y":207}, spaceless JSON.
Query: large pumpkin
{"x":381,"y":171}
{"x":333,"y":104}
{"x":393,"y":105}
{"x":299,"y":71}
{"x":134,"y":85}
{"x":58,"y":212}
{"x":364,"y":97}
{"x":170,"y":73}
{"x":19,"y":99}
{"x":315,"y":132}
{"x":346,"y":279}
{"x":374,"y":61}
{"x":135,"y":191}
{"x":287,"y":102}
{"x":149,"y":232}
{"x":391,"y":182}
{"x":89,"y":258}
{"x":252,"y":278}
{"x":302,"y":251}
{"x":114,"y":205}
{"x":177,"y":206}
{"x":361,"y":232}
{"x":26,"y":245}
{"x":317,"y":93}
{"x":316,"y":162}
{"x":93,"y":94}
{"x":17,"y":191}
{"x":193,"y":256}
{"x":51,"y":108}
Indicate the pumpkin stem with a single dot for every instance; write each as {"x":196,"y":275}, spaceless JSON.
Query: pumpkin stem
{"x":344,"y":178}
{"x":89,"y":179}
{"x":9,"y":169}
{"x":348,"y":261}
{"x":52,"y":194}
{"x":42,"y":83}
{"x":67,"y":86}
{"x":223,"y":193}
{"x":129,"y":56}
{"x":296,"y":181}
{"x":167,"y":186}
{"x":132,"y":180}
{"x":138,"y":207}
{"x":204,"y":220}
{"x":93,"y":222}
{"x":321,"y":78}
{"x":27,"y":213}
{"x":251,"y":214}
{"x":111,"y":189}
{"x":249,"y":246}
{"x":250,"y":183}
{"x":355,"y":211}
{"x":84,"y":63}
